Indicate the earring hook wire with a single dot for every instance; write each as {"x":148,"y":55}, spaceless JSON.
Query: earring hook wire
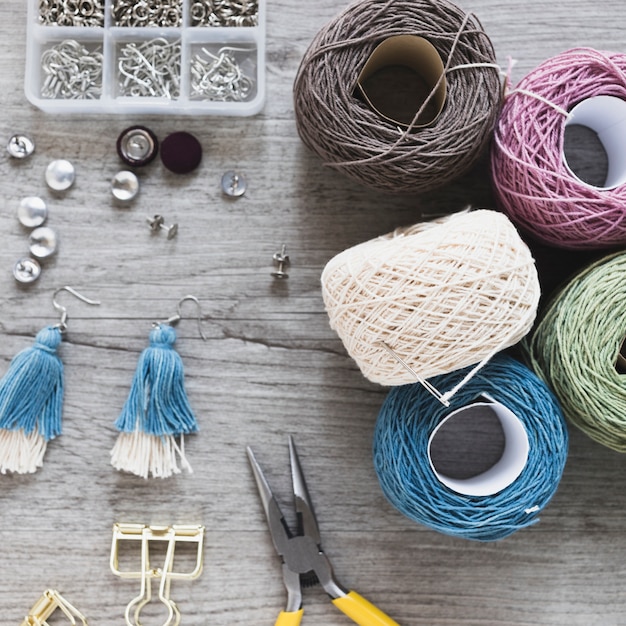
{"x":174,"y":319}
{"x":62,"y":325}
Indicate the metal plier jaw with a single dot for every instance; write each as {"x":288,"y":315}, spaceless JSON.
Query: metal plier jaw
{"x":303,"y":560}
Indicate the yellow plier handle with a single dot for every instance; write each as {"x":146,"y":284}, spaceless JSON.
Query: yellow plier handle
{"x":361,"y":611}
{"x":355,"y":606}
{"x":289,"y":618}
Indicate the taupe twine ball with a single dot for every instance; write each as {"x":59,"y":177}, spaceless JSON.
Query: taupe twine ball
{"x":352,"y":137}
{"x":441,"y":295}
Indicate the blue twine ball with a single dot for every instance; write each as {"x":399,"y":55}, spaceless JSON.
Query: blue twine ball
{"x":403,"y":429}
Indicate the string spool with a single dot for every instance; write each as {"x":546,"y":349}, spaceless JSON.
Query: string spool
{"x":403,"y":433}
{"x":533,"y":182}
{"x":441,"y":295}
{"x":579,"y":349}
{"x":354,"y":138}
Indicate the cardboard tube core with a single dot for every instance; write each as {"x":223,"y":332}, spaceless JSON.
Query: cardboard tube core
{"x":606,"y":116}
{"x":510,"y":465}
{"x":404,"y":74}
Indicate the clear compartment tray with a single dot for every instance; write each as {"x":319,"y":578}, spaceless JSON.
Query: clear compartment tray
{"x":201,"y":57}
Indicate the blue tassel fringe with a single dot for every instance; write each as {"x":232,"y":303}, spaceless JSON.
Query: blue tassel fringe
{"x":31,"y":392}
{"x":158,"y":403}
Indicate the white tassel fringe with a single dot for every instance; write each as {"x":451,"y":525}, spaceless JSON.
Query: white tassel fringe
{"x":143,"y":454}
{"x":21,"y":453}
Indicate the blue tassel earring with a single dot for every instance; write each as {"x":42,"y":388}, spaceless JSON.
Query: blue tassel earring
{"x":157,"y":414}
{"x":31,"y":397}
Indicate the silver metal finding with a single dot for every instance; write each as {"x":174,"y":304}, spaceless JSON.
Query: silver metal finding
{"x":150,"y":69}
{"x":71,"y":71}
{"x":281,"y":260}
{"x":72,"y":12}
{"x":219,"y":77}
{"x":62,"y":325}
{"x":26,"y":270}
{"x":158,"y":222}
{"x":422,"y":381}
{"x":60,"y":175}
{"x":163,"y":13}
{"x":125,"y":186}
{"x":20,"y":146}
{"x":43,"y":242}
{"x":174,"y":319}
{"x":224,"y":13}
{"x":32,"y":211}
{"x":233,"y":184}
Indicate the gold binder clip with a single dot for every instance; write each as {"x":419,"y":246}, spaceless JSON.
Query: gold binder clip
{"x":168,"y":536}
{"x":49,"y":602}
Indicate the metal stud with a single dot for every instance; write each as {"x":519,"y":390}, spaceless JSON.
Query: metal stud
{"x":281,"y":260}
{"x":32,"y":212}
{"x":233,"y":184}
{"x":158,"y":222}
{"x":26,"y":270}
{"x":125,"y":186}
{"x":20,"y":146}
{"x":60,"y":175}
{"x":43,"y":242}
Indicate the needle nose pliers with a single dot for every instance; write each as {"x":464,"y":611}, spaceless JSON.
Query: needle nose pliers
{"x":303,"y":559}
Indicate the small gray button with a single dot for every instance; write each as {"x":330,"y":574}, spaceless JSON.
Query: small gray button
{"x":60,"y":175}
{"x":43,"y":242}
{"x":32,"y":212}
{"x":20,"y":146}
{"x":233,"y":184}
{"x":26,"y":270}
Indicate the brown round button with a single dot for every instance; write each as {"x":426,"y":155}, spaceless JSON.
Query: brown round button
{"x":137,"y":145}
{"x":181,"y":152}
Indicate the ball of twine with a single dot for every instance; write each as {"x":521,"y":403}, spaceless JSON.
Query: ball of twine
{"x":351,"y":137}
{"x":410,"y":414}
{"x":441,"y":295}
{"x":532,"y":182}
{"x":576,"y":345}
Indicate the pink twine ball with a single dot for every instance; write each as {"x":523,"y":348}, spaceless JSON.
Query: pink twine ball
{"x":532,"y":181}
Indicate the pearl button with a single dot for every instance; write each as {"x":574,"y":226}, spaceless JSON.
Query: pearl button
{"x":60,"y":175}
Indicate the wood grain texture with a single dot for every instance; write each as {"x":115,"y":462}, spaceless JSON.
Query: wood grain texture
{"x":271,"y":366}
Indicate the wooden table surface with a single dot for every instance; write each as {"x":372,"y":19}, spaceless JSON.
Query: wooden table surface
{"x":271,"y":366}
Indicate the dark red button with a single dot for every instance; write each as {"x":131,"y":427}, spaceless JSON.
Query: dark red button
{"x":181,"y":152}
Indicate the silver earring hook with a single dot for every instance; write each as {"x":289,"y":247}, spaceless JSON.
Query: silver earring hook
{"x":179,"y":314}
{"x":62,"y":325}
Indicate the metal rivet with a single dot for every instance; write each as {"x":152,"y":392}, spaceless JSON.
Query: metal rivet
{"x":158,"y":222}
{"x":233,"y":184}
{"x":26,"y":270}
{"x":32,"y":212}
{"x":43,"y":242}
{"x":125,"y":186}
{"x":281,"y":260}
{"x":137,"y":145}
{"x":60,"y":175}
{"x":20,"y":146}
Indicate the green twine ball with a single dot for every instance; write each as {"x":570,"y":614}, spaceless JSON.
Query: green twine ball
{"x":578,"y":349}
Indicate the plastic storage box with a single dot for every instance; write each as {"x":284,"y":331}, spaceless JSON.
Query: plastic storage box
{"x":201,"y":57}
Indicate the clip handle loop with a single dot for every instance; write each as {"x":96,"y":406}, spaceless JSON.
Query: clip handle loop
{"x":146,"y":573}
{"x":47,"y":604}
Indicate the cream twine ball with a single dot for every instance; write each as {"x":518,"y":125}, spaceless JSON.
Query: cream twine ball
{"x":440,"y":296}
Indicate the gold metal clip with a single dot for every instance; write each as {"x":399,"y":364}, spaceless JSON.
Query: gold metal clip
{"x":170,"y":535}
{"x":49,"y":602}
